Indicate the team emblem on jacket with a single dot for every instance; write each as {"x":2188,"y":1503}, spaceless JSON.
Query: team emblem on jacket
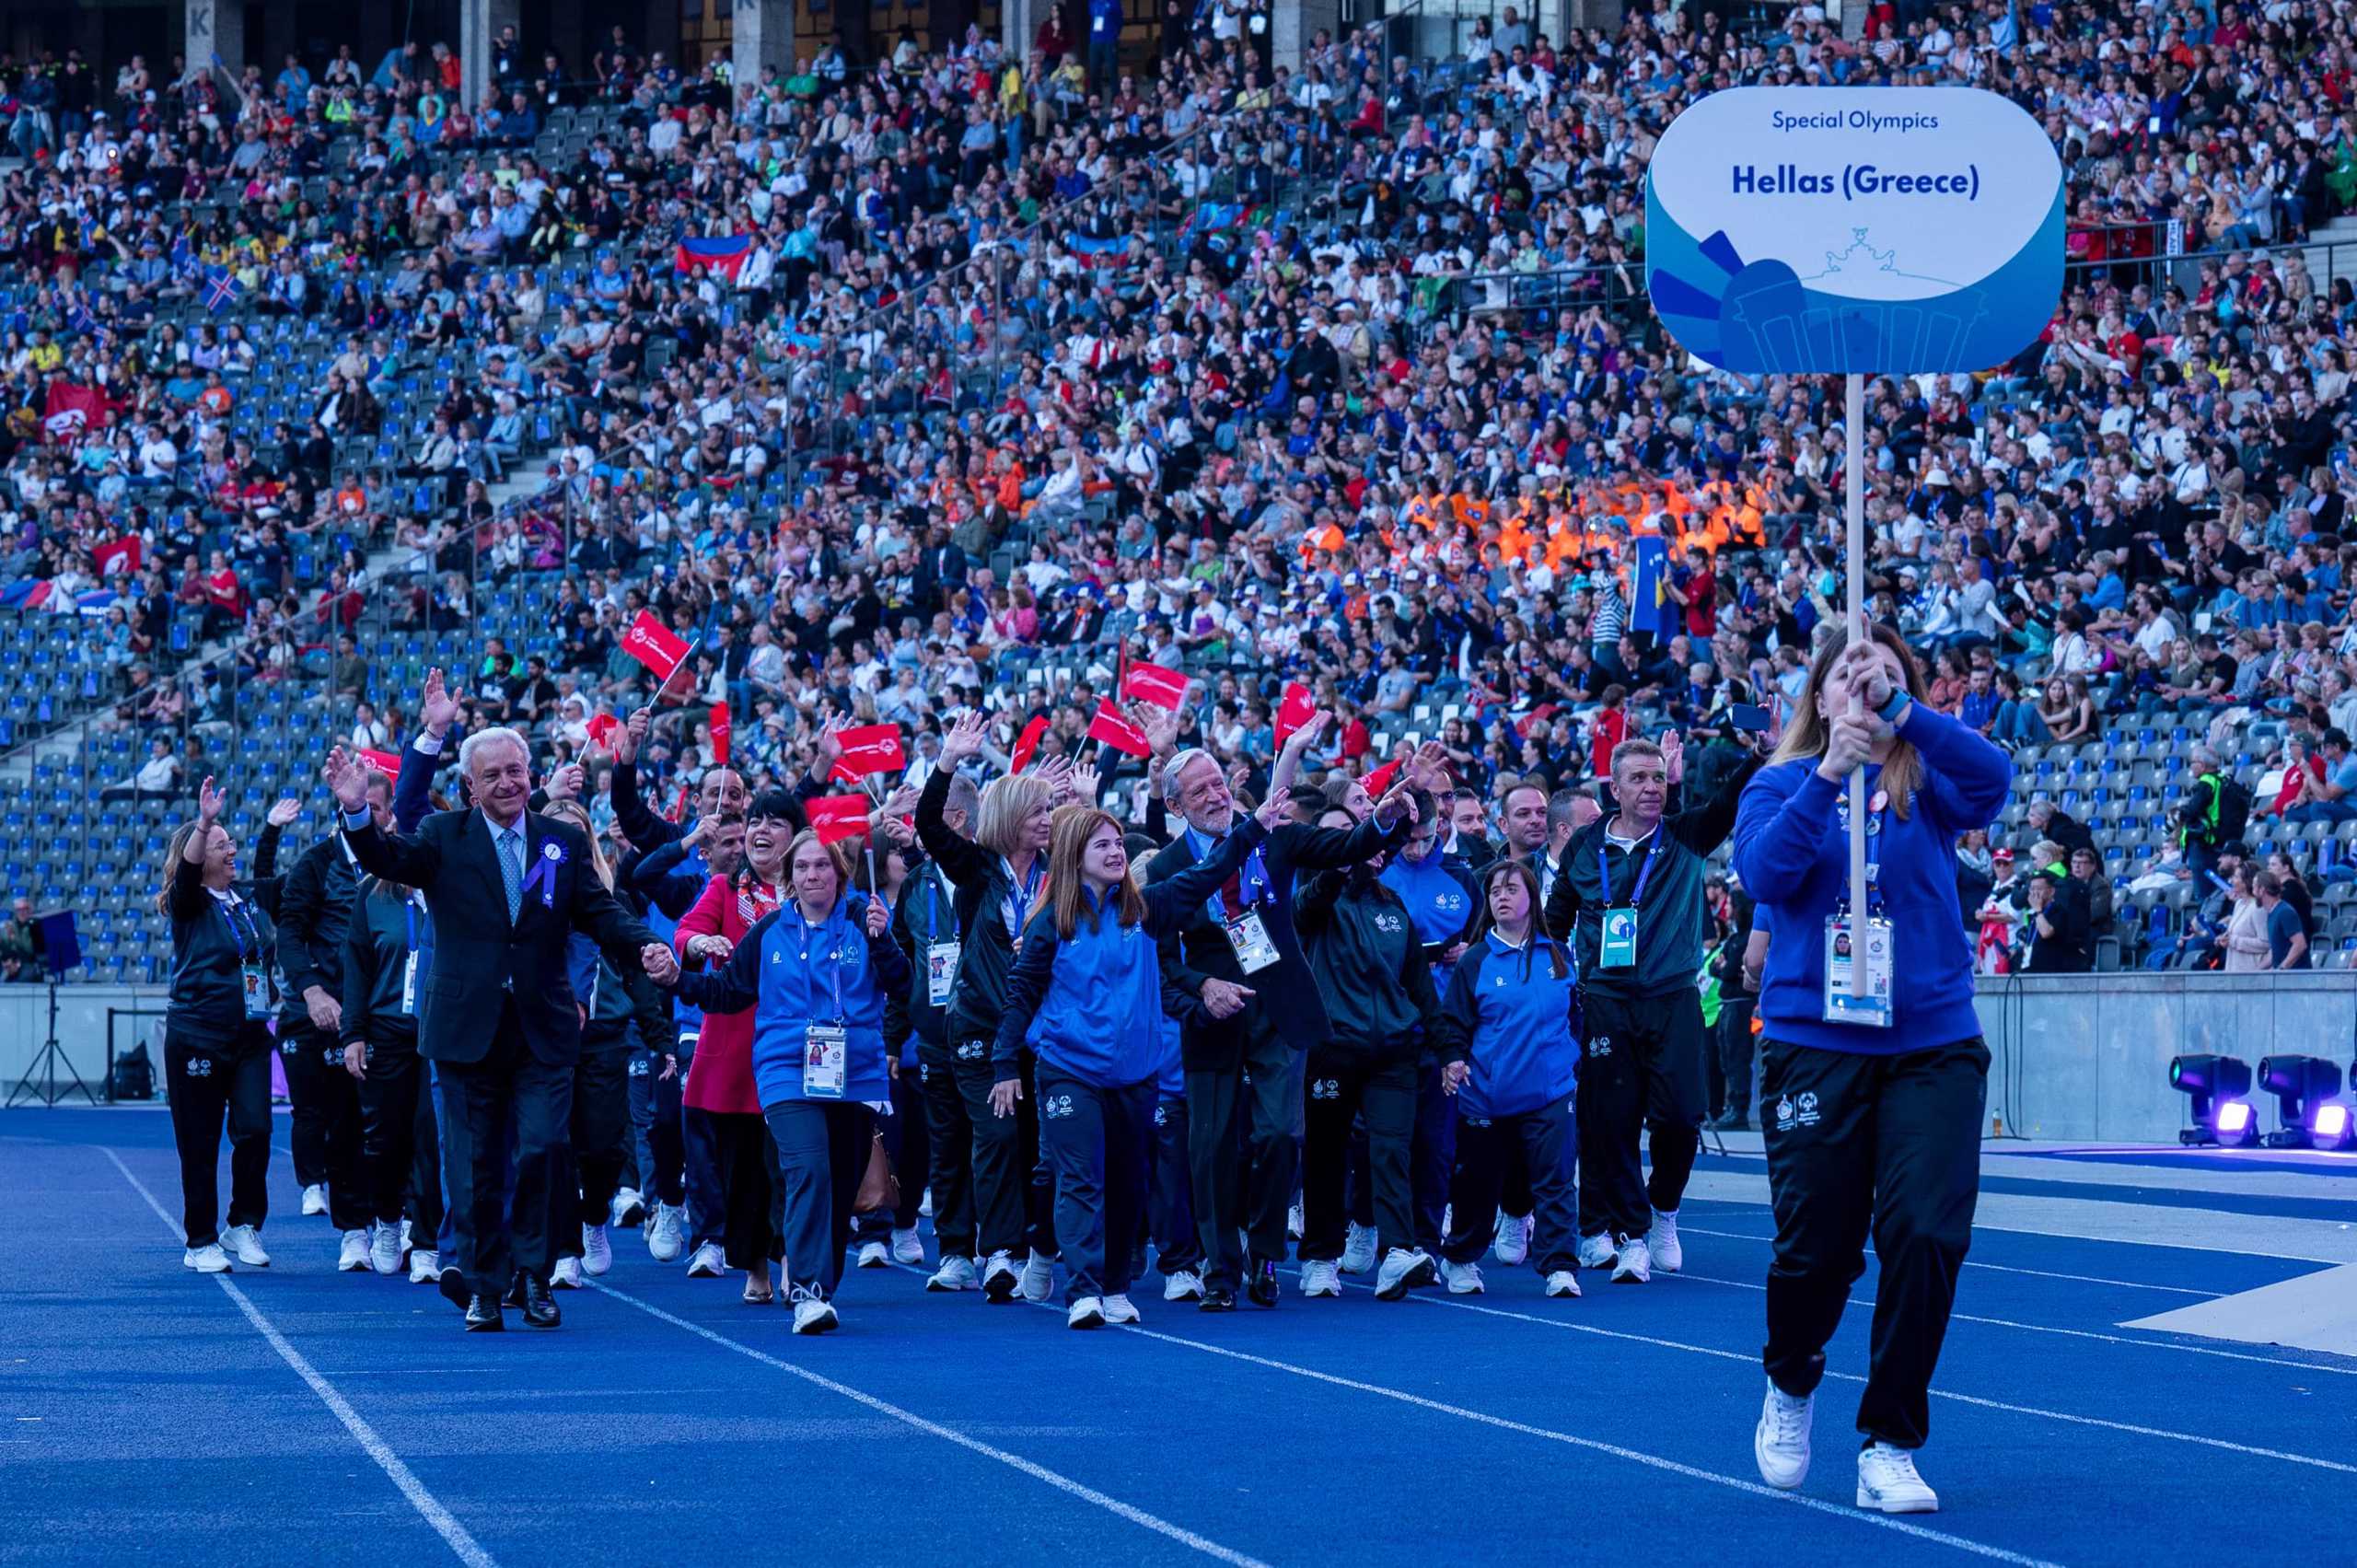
{"x":970,"y":1051}
{"x":1056,"y":1107}
{"x":1600,"y":1046}
{"x":1388,"y":923}
{"x":1326,"y":1088}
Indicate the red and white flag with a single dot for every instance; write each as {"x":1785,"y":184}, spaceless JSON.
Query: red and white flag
{"x":385,"y":763}
{"x":652,"y":644}
{"x":720,"y":727}
{"x":1026,"y":745}
{"x":120,"y":555}
{"x":1110,"y":729}
{"x":1294,"y":709}
{"x":1158,"y":684}
{"x":868,"y":748}
{"x":838,"y":817}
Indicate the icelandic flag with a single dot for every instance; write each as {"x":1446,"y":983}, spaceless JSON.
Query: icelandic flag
{"x":723,"y":253}
{"x":222,"y":290}
{"x":78,"y":317}
{"x":1651,"y":609}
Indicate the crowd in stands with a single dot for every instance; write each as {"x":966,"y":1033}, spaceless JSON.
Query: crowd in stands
{"x":961,"y":376}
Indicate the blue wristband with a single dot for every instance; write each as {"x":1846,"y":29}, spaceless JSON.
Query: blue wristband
{"x":1891,"y":712}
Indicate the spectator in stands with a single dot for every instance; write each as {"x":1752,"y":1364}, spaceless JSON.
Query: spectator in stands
{"x":159,"y":777}
{"x":2287,"y":941}
{"x":20,"y":945}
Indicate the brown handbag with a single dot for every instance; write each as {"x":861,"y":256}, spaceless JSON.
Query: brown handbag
{"x":878,"y":1189}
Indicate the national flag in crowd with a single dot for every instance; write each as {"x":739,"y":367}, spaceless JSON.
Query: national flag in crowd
{"x":80,"y":317}
{"x":1294,"y":709}
{"x":722,"y":253}
{"x":222,"y":290}
{"x":838,"y":817}
{"x":183,"y":257}
{"x":655,"y":645}
{"x":1099,"y":252}
{"x":799,"y":344}
{"x":1109,"y":729}
{"x":868,"y":748}
{"x":25,"y":593}
{"x":71,"y":409}
{"x":720,"y":730}
{"x":601,"y":728}
{"x":1026,"y":745}
{"x":1155,"y":683}
{"x":1210,"y":218}
{"x":1651,"y":609}
{"x":385,"y":763}
{"x":118,"y":555}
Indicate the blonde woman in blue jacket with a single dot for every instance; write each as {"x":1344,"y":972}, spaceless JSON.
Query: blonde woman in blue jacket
{"x":1087,"y":996}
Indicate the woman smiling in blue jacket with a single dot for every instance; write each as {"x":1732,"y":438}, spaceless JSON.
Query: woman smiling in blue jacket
{"x":816,"y":974}
{"x":1087,"y":996}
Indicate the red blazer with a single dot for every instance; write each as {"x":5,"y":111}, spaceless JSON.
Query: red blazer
{"x":720,"y":1077}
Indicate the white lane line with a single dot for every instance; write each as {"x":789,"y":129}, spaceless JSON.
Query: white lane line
{"x":1998,"y":1268}
{"x":462,"y":1545}
{"x":1064,"y":1483}
{"x":1752,"y":1360}
{"x":2065,"y":1333}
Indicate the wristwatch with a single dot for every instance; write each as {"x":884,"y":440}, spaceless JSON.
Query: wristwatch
{"x":1891,"y":711}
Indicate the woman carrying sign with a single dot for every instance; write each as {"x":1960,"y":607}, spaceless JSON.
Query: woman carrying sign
{"x":1871,"y":1097}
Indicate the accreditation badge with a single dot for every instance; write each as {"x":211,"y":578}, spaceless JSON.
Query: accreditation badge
{"x":257,"y":987}
{"x":1249,"y":937}
{"x":1617,"y":947}
{"x":1847,"y":943}
{"x":826,"y":1055}
{"x":940,"y":970}
{"x":409,"y":986}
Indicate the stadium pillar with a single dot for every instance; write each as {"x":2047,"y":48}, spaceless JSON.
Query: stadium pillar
{"x":761,"y":34}
{"x":1293,"y":23}
{"x":479,"y":22}
{"x":1571,"y":14}
{"x":213,"y":31}
{"x":1018,"y":20}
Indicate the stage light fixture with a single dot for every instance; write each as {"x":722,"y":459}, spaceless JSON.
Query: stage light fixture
{"x":2333,"y":1125}
{"x":2212,"y":1082}
{"x":2300,"y":1084}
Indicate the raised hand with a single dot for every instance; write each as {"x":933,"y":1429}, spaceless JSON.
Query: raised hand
{"x":1271,"y":814}
{"x":702,"y":833}
{"x":437,"y":709}
{"x":1398,"y":801}
{"x":1428,"y":768}
{"x":346,"y":778}
{"x":878,"y":917}
{"x":565,"y":783}
{"x":209,"y":801}
{"x":633,"y":735}
{"x":831,"y":745}
{"x":1673,"y":755}
{"x":964,"y":739}
{"x":1057,"y":771}
{"x":1084,"y":784}
{"x":902,"y":801}
{"x":286,"y":809}
{"x":1157,"y":723}
{"x":661,"y":964}
{"x":1307,"y":736}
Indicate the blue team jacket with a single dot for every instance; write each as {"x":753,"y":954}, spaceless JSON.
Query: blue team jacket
{"x":1509,"y":1016}
{"x":792,"y":974}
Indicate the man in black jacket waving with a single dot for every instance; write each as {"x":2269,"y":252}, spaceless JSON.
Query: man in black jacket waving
{"x":1628,"y":900}
{"x":498,"y":1017}
{"x":1255,"y":1011}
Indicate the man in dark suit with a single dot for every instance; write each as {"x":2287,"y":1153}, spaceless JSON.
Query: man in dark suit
{"x":497,"y":1016}
{"x":941,"y":569}
{"x":1255,"y":1011}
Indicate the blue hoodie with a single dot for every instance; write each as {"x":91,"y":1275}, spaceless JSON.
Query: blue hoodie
{"x":1509,"y":1016}
{"x":1092,"y":1004}
{"x":793,"y":974}
{"x":1439,"y":903}
{"x":1792,"y":849}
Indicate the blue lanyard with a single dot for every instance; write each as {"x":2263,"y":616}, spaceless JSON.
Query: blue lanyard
{"x":834,"y":964}
{"x":932,"y":911}
{"x":1604,"y":866}
{"x":240,"y":930}
{"x":1019,"y":897}
{"x":1877,"y":823}
{"x":1252,"y":881}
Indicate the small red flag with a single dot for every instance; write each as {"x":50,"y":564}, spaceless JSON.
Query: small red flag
{"x":385,"y":763}
{"x":720,"y":734}
{"x":1158,"y":684}
{"x":1026,"y":745}
{"x":652,"y":644}
{"x":679,"y":806}
{"x":868,"y":748}
{"x":1380,"y":781}
{"x":122,"y":554}
{"x":1110,"y":729}
{"x":1294,"y":709}
{"x":601,"y":729}
{"x":836,"y":817}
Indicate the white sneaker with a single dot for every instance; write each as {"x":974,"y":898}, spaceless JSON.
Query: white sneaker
{"x":1512,"y":1245}
{"x":1634,"y":1264}
{"x":424,"y":1268}
{"x":1358,"y":1248}
{"x":1120,"y":1309}
{"x":1296,"y":1221}
{"x":955,"y":1273}
{"x":908,"y":1247}
{"x":708,"y":1262}
{"x":206,"y":1259}
{"x":1088,"y":1312}
{"x":244,"y":1243}
{"x":353,"y":1259}
{"x":597,"y":1250}
{"x":1320,"y":1279}
{"x":1888,"y":1482}
{"x":1184,"y":1285}
{"x":315,"y":1198}
{"x":874,"y":1255}
{"x":1597,"y":1251}
{"x":385,"y":1247}
{"x":1401,"y":1269}
{"x":566,"y":1275}
{"x":406,"y":1249}
{"x":665,"y":1232}
{"x":1563,"y":1281}
{"x":1001,"y":1278}
{"x":1038,"y":1278}
{"x":628,"y":1209}
{"x":924,"y":1204}
{"x":1661,"y":1240}
{"x":812,"y":1315}
{"x":1781,"y":1443}
{"x":1464,"y":1279}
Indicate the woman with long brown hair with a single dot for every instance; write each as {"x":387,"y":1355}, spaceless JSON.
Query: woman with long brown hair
{"x":1086,"y":997}
{"x":1870,"y":1097}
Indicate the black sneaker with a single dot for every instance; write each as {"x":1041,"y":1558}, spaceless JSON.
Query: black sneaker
{"x":1217,"y":1298}
{"x":1263,"y":1286}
